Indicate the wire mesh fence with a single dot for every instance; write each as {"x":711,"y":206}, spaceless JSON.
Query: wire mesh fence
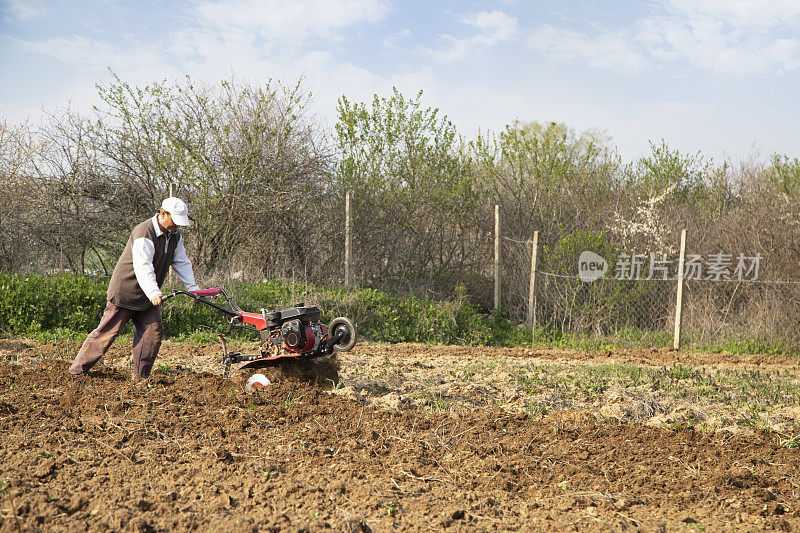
{"x":630,"y":311}
{"x":631,"y":299}
{"x":583,"y":285}
{"x":760,"y":314}
{"x":640,"y":312}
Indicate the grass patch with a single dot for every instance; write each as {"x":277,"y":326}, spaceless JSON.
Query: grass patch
{"x":747,"y":393}
{"x":778,"y":346}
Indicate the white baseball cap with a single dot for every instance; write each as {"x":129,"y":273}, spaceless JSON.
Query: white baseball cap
{"x":177,"y":208}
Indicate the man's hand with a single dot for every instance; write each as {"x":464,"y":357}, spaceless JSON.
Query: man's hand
{"x":156,"y":300}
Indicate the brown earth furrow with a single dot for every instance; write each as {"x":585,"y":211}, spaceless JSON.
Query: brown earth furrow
{"x":192,"y":450}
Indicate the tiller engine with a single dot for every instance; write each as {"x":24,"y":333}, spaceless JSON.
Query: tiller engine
{"x":294,"y":332}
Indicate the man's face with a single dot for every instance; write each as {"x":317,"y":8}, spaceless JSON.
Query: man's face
{"x":165,"y":221}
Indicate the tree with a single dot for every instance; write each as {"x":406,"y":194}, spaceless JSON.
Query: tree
{"x":17,"y":148}
{"x":415,"y":195}
{"x":244,"y":157}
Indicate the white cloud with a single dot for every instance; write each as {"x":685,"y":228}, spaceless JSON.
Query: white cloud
{"x":91,"y":55}
{"x":672,"y":112}
{"x":212,"y":52}
{"x":459,"y":104}
{"x":275,"y":20}
{"x":392,"y":41}
{"x":197,"y":49}
{"x":243,"y":38}
{"x":24,"y":10}
{"x":712,"y":43}
{"x":740,"y":37}
{"x":328,"y":77}
{"x":493,"y":27}
{"x":609,"y":50}
{"x":739,"y":13}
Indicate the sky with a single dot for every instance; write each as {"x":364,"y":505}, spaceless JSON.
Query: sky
{"x":719,"y":77}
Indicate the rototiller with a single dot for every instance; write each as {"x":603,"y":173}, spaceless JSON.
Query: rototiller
{"x":295,"y":332}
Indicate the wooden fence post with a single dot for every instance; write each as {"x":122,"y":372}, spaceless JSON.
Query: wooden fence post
{"x":497,"y":266}
{"x":676,"y":342}
{"x":532,"y":287}
{"x":348,"y":240}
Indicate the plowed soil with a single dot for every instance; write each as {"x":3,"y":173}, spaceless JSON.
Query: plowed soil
{"x":406,"y":437}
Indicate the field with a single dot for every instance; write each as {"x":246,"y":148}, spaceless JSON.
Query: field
{"x":408,"y":437}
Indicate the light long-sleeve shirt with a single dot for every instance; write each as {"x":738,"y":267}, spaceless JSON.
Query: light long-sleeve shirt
{"x":143,"y":251}
{"x":144,"y":264}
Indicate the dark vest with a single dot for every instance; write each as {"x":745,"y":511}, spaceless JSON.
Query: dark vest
{"x":124,"y":290}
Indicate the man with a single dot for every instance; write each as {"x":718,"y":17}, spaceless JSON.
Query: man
{"x":134,"y":292}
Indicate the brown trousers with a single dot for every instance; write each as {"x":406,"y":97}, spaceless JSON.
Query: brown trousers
{"x":147,"y":336}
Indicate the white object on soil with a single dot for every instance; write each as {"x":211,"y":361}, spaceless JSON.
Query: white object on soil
{"x":256,"y":380}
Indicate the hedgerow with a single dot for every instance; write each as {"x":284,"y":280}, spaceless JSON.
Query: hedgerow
{"x":33,"y":304}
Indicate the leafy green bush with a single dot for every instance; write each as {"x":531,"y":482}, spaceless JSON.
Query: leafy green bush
{"x":600,"y":307}
{"x":384,"y":317}
{"x":66,"y":302}
{"x":30,"y":304}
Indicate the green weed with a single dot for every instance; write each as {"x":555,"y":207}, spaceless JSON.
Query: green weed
{"x":290,"y":400}
{"x":436,"y":402}
{"x":165,"y":368}
{"x":751,"y":417}
{"x":336,"y":385}
{"x":792,"y":442}
{"x":390,"y":508}
{"x":538,"y":409}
